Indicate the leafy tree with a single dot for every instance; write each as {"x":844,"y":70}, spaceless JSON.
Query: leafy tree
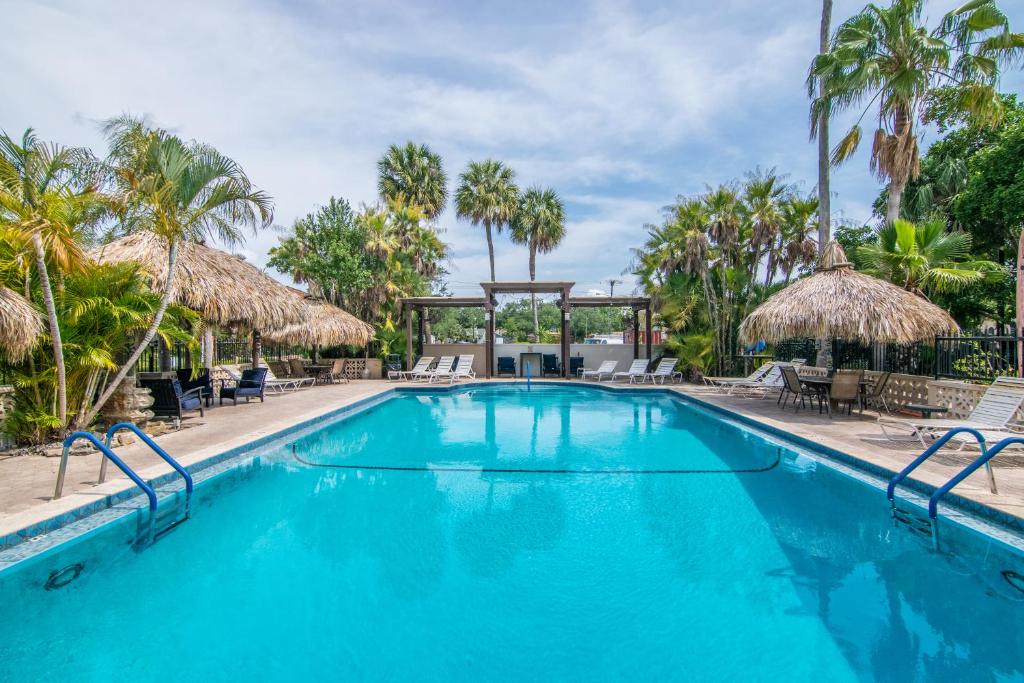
{"x":539,"y":223}
{"x":515,"y":320}
{"x":452,"y":325}
{"x":889,"y":59}
{"x":413,"y":172}
{"x":487,"y":195}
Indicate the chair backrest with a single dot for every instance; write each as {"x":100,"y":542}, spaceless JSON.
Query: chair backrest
{"x":791,"y":379}
{"x":296,"y":367}
{"x":638,"y":367}
{"x":465,"y":363}
{"x":338,"y":366}
{"x":506,"y":362}
{"x":880,"y":383}
{"x":269,"y":374}
{"x":774,"y":378}
{"x":665,"y":367}
{"x":845,"y":385}
{"x":607,"y":366}
{"x":998,"y":405}
{"x":254,"y":377}
{"x":423,"y":363}
{"x":445,"y":364}
{"x":760,"y":372}
{"x":550,"y":362}
{"x":798,"y":361}
{"x":1012,"y":382}
{"x":811,"y":371}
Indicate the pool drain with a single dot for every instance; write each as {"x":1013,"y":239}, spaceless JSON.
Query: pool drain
{"x":62,"y":577}
{"x":1015,"y":580}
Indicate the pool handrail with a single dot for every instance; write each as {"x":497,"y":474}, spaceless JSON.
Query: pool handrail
{"x":156,"y":449}
{"x":890,"y":491}
{"x":75,"y":436}
{"x":983,"y":459}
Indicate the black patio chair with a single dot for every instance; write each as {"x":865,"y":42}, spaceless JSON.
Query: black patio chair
{"x":201,"y":381}
{"x":549,"y":365}
{"x":251,"y":385}
{"x":169,"y":399}
{"x":575,"y":365}
{"x":506,"y":366}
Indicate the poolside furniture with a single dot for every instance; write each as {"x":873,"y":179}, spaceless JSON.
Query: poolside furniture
{"x":393,"y":366}
{"x":251,"y":384}
{"x":420,"y":367}
{"x":506,"y":366}
{"x":297,"y":370}
{"x":337,"y":372}
{"x":202,"y":381}
{"x":664,"y":370}
{"x":443,"y":367}
{"x":575,"y":365}
{"x":764,"y":385}
{"x":463,"y":369}
{"x":993,"y":413}
{"x":637,"y":369}
{"x":876,"y":394}
{"x":846,"y":388}
{"x":792,"y":386}
{"x":285,"y":384}
{"x":604,"y":369}
{"x":723,"y":384}
{"x":169,"y":398}
{"x":550,"y":366}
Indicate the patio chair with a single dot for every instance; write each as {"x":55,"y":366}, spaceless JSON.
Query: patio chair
{"x":993,"y":413}
{"x":607,"y":368}
{"x":637,"y":369}
{"x":463,"y":369}
{"x":337,"y":372}
{"x":251,"y":384}
{"x":202,"y":381}
{"x":282,"y":385}
{"x":443,"y":367}
{"x":846,"y":389}
{"x":791,"y":386}
{"x":549,"y":365}
{"x":764,"y":385}
{"x":506,"y":366}
{"x":664,"y":370}
{"x":421,"y":366}
{"x":296,"y":370}
{"x":723,"y":384}
{"x":876,"y":394}
{"x":575,"y":365}
{"x":169,"y":398}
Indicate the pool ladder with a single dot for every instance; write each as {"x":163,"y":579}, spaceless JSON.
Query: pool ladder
{"x":152,"y":533}
{"x":983,"y":460}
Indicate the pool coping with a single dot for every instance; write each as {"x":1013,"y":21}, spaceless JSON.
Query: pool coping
{"x":245,"y":451}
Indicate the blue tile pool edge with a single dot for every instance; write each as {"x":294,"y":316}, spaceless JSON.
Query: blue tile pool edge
{"x":122,"y":502}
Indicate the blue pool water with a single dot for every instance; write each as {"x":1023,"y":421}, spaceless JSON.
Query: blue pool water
{"x":649,"y":540}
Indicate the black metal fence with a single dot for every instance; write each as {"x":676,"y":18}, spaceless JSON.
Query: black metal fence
{"x":981,"y":358}
{"x":159,"y":357}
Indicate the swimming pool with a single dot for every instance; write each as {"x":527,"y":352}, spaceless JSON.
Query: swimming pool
{"x":492,"y":533}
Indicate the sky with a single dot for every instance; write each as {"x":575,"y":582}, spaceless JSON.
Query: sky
{"x":620,"y":107}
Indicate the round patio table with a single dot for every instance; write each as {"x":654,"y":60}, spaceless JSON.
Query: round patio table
{"x":823,"y":385}
{"x":321,"y":372}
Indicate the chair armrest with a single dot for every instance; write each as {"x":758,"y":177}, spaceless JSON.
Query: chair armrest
{"x":198,"y":391}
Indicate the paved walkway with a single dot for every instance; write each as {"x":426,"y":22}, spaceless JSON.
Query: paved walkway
{"x":26,"y":482}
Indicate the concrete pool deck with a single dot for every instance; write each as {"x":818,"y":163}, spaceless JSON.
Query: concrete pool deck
{"x":27,"y":482}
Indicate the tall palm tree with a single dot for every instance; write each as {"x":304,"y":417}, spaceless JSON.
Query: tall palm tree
{"x":925,"y":258}
{"x":539,"y":223}
{"x":797,"y":248}
{"x":414,"y":172}
{"x":889,"y":59}
{"x":487,"y":195}
{"x":42,"y":203}
{"x":824,"y":200}
{"x":179,"y":191}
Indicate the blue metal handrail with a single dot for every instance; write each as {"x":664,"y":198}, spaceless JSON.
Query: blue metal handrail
{"x":150,"y":493}
{"x":929,"y":452}
{"x":156,"y":449}
{"x":983,"y":459}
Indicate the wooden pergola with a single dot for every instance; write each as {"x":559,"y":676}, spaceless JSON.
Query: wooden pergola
{"x":488,"y":302}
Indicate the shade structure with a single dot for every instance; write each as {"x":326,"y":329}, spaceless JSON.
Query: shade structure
{"x":323,"y":324}
{"x":223,"y":288}
{"x":837,"y":302}
{"x":20,"y":325}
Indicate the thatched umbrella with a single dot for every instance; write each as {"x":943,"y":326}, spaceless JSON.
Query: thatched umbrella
{"x":837,"y":302}
{"x":223,"y":288}
{"x":323,"y":325}
{"x":20,"y":324}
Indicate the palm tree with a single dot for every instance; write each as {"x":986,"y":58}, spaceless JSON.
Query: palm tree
{"x":414,"y":172}
{"x":539,"y":223}
{"x":824,"y":200}
{"x":889,"y":59}
{"x":797,"y":248}
{"x":925,"y":258}
{"x":42,"y":205}
{"x":179,"y":191}
{"x":487,"y":195}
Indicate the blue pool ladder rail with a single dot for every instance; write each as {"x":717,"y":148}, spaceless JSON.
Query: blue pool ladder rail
{"x":145,"y":438}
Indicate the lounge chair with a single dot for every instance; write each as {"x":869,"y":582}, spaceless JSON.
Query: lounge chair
{"x":605,"y":368}
{"x":463,"y":369}
{"x":723,"y":384}
{"x":250,"y":384}
{"x":289,"y":383}
{"x":421,"y":367}
{"x":637,"y":369}
{"x":993,"y":413}
{"x":666,"y":366}
{"x":443,"y":367}
{"x":506,"y":366}
{"x":766,"y":384}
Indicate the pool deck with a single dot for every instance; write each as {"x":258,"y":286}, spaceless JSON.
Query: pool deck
{"x":27,"y":482}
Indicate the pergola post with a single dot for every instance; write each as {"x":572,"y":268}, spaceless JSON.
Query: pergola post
{"x":489,"y":337}
{"x":566,"y":314}
{"x":419,"y":330}
{"x":636,"y":334}
{"x":647,"y":330}
{"x":408,"y":337}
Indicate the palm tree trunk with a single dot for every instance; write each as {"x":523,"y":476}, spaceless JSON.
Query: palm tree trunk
{"x":58,"y":346}
{"x":894,"y":201}
{"x":165,"y":300}
{"x":824,"y":200}
{"x":490,"y":247}
{"x":533,"y":297}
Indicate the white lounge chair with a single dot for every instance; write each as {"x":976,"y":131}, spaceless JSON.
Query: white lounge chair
{"x":463,"y":369}
{"x":663,"y":372}
{"x":764,"y":385}
{"x":722,"y":384}
{"x":443,"y":367}
{"x":287,"y":383}
{"x":637,"y":369}
{"x":421,"y":367}
{"x":605,"y":368}
{"x":993,"y":414}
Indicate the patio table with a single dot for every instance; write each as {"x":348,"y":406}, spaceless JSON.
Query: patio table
{"x":322,"y":373}
{"x":823,"y":385}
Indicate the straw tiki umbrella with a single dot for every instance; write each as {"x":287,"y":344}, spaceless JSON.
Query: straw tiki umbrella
{"x":20,"y":324}
{"x":837,"y":302}
{"x":323,"y":324}
{"x":223,"y":288}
